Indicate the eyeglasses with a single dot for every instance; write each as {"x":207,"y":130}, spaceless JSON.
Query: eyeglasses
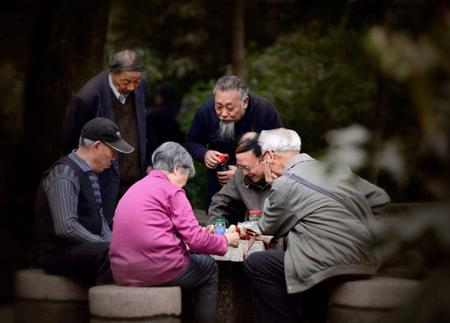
{"x":264,"y":155}
{"x":248,"y":168}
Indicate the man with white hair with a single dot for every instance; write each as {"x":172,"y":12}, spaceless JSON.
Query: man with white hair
{"x":221,"y":120}
{"x":324,"y":211}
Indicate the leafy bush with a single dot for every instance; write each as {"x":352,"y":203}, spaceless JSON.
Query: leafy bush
{"x":317,"y":83}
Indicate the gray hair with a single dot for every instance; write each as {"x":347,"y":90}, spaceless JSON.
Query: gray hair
{"x":231,"y":83}
{"x":126,"y":60}
{"x":85,"y":142}
{"x":169,"y":154}
{"x":279,"y":140}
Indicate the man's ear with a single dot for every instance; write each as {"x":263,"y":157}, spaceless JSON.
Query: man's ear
{"x":245,"y":101}
{"x":97,"y":144}
{"x":270,"y":155}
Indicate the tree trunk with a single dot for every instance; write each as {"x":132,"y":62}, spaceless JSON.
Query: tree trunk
{"x":68,"y":39}
{"x":67,"y":49}
{"x":237,"y":38}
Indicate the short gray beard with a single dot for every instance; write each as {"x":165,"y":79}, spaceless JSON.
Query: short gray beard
{"x":226,"y":130}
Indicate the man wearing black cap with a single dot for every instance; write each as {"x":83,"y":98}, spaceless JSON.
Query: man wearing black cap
{"x":71,"y":232}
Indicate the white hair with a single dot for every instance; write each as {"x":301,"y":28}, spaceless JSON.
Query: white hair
{"x":279,"y":140}
{"x":85,"y":142}
{"x":226,"y":130}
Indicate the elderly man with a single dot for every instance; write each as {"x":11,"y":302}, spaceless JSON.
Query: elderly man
{"x":218,"y":123}
{"x":248,"y":189}
{"x":118,"y":94}
{"x":324,"y":210}
{"x":71,"y":232}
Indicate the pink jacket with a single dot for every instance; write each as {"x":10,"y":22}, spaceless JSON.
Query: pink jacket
{"x":152,"y":225}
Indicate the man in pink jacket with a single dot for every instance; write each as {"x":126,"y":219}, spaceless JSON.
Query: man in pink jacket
{"x":157,"y":240}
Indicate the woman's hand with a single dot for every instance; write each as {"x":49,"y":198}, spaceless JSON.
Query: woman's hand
{"x":232,"y":238}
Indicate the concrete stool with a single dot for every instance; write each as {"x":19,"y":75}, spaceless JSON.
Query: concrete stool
{"x":370,"y":300}
{"x":41,"y":297}
{"x":37,"y":284}
{"x":151,"y":304}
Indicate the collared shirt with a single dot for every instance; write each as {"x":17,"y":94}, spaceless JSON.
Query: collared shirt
{"x":62,"y":187}
{"x":121,"y":97}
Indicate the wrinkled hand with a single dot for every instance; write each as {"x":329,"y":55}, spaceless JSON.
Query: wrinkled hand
{"x":225,"y":176}
{"x":210,"y":228}
{"x":212,"y":158}
{"x":232,"y":228}
{"x":268,"y":174}
{"x":232,"y":238}
{"x":263,"y":238}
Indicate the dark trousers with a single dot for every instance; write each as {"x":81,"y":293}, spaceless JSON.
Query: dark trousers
{"x":199,"y":283}
{"x":265,"y":274}
{"x":88,"y":262}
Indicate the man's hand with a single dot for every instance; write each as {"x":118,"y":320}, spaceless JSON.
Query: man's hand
{"x":212,"y":158}
{"x":232,"y":238}
{"x":225,"y":176}
{"x":268,"y":174}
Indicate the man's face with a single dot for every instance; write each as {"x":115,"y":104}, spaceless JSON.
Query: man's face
{"x":229,"y":106}
{"x":104,"y":155}
{"x":274,"y":163}
{"x":126,"y":82}
{"x":250,"y":166}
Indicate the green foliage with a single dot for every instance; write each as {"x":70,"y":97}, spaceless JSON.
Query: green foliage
{"x":196,"y":187}
{"x":318,"y":83}
{"x":199,"y":92}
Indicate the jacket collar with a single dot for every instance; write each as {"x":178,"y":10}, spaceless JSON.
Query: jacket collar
{"x":261,"y":185}
{"x":300,"y":158}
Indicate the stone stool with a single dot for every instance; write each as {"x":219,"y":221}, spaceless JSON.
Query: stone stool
{"x":41,"y":297}
{"x":112,"y":303}
{"x":376,"y":300}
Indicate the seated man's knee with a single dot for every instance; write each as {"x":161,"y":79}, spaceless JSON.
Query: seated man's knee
{"x":252,"y":261}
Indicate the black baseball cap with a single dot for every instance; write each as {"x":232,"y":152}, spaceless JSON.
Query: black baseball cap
{"x":106,"y":131}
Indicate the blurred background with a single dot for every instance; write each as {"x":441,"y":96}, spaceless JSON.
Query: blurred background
{"x":364,"y":82}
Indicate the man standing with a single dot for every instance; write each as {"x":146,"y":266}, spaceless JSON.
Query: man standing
{"x":71,"y":232}
{"x":324,"y":211}
{"x":222,"y":119}
{"x":118,"y":94}
{"x":248,"y":189}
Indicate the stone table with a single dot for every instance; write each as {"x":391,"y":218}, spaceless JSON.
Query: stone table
{"x":234,"y":298}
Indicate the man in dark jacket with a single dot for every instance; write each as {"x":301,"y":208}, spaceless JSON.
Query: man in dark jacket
{"x":118,"y":94}
{"x":71,"y":233}
{"x":248,"y":189}
{"x":324,"y":211}
{"x":222,"y":119}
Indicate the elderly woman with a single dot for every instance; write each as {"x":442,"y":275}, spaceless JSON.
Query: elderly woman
{"x":154,"y":227}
